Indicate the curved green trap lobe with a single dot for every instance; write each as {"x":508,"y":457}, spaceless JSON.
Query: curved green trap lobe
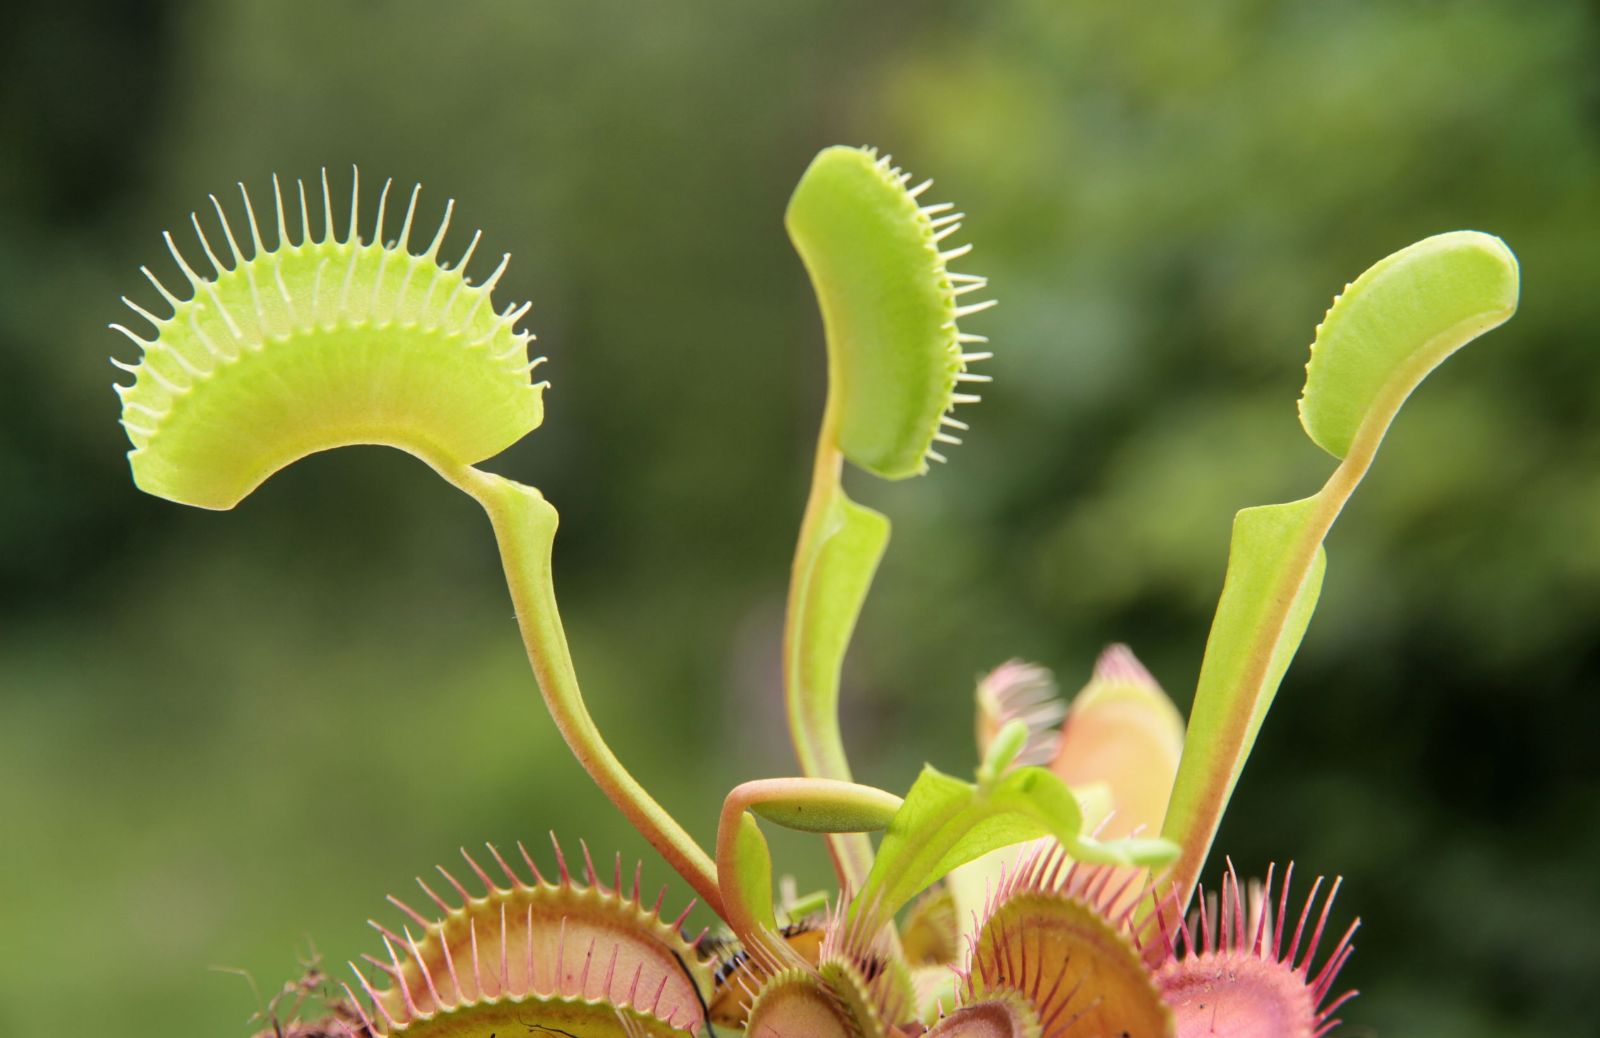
{"x":319,"y":345}
{"x":1072,"y":965}
{"x":543,"y":1016}
{"x":554,"y":952}
{"x":1006,"y":1016}
{"x":886,"y":306}
{"x":796,"y":1004}
{"x":874,"y":1005}
{"x":1403,"y":316}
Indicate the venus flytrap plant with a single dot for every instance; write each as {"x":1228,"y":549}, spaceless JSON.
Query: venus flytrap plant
{"x":317,"y":342}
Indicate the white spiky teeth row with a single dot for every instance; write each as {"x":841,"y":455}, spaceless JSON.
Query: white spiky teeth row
{"x":944,"y":222}
{"x":308,"y":322}
{"x":250,"y":329}
{"x":964,"y":283}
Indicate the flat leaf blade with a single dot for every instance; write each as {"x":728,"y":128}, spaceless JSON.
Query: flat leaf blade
{"x":833,"y":585}
{"x":1275,"y":569}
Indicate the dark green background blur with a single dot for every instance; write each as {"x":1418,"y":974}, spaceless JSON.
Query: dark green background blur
{"x":223,"y":733}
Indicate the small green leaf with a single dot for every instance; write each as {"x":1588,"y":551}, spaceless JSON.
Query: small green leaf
{"x":946,"y":823}
{"x":1397,"y":322}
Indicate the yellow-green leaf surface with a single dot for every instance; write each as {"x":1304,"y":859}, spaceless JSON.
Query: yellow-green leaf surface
{"x":826,"y":806}
{"x":317,"y":343}
{"x":1072,"y":964}
{"x":831,"y":583}
{"x":1005,"y":1016}
{"x":1268,"y":595}
{"x":796,"y":1004}
{"x":888,"y":303}
{"x":1390,"y":327}
{"x":1398,"y":321}
{"x":751,"y":876}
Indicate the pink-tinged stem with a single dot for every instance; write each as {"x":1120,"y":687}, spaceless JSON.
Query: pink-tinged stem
{"x":524,"y":526}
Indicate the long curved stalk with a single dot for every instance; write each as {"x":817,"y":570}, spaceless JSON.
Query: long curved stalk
{"x":835,"y":557}
{"x":524,"y":527}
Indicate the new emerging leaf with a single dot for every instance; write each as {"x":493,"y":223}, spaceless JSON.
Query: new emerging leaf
{"x":945,"y":823}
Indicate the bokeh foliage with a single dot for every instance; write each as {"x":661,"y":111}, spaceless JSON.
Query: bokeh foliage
{"x":222,"y":733}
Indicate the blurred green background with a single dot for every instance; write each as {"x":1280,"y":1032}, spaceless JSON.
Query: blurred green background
{"x":223,"y":734}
